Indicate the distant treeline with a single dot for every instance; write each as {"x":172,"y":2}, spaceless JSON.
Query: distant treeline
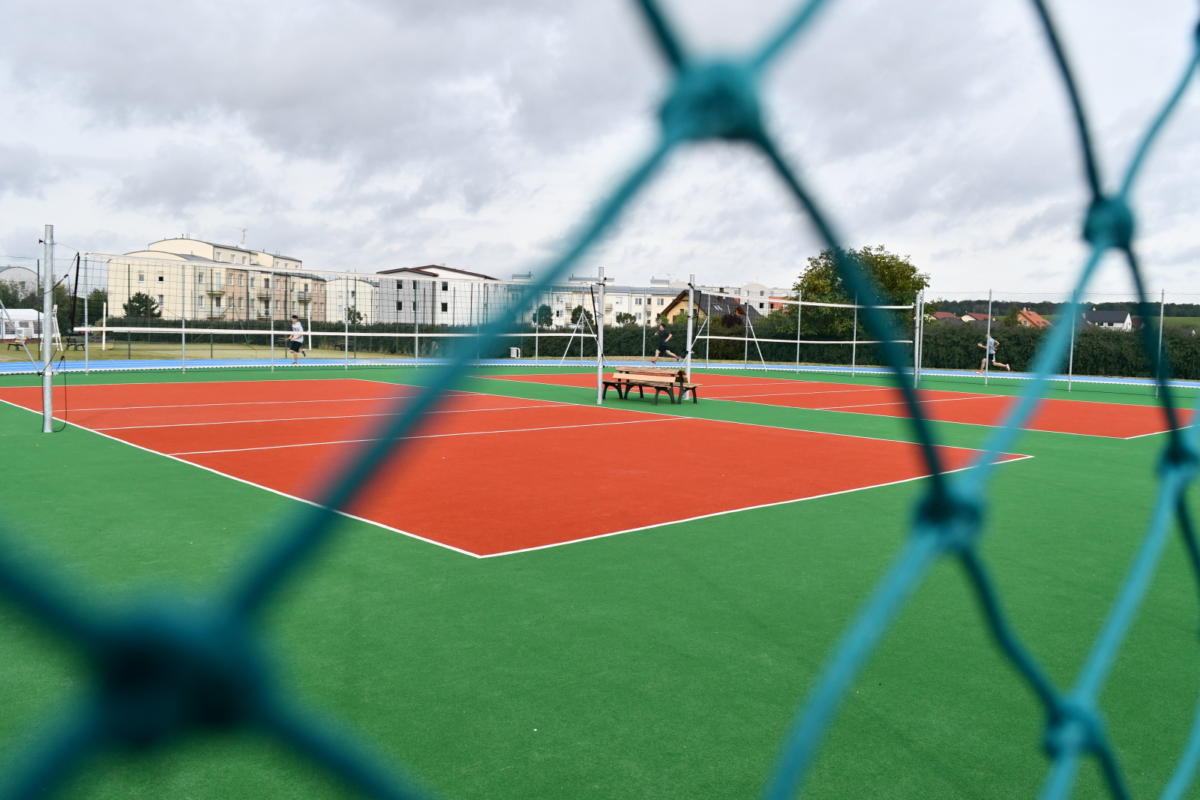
{"x":1048,"y":308}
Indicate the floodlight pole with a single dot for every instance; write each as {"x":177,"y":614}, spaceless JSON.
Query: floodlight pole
{"x":691,"y":314}
{"x":47,"y":321}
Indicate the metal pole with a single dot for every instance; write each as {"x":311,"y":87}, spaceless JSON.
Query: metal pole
{"x":47,"y":322}
{"x":746,"y":332}
{"x":346,"y":325}
{"x":987,"y":340}
{"x":708,"y":339}
{"x":645,"y":324}
{"x":86,"y":334}
{"x":1071,"y":354}
{"x":1162,"y":313}
{"x":271,"y":317}
{"x":104,"y":327}
{"x":600,"y":342}
{"x":691,"y":316}
{"x":183,"y":343}
{"x":799,"y":311}
{"x":916,"y":338}
{"x":854,"y":339}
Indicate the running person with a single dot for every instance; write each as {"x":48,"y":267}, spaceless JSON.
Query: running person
{"x":296,"y":340}
{"x":660,"y":345}
{"x":992,"y":344}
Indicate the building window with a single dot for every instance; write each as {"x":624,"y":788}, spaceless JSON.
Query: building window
{"x":399,"y":305}
{"x":160,"y":278}
{"x":445,"y":307}
{"x":266,"y":283}
{"x":217,"y":302}
{"x":558,"y":312}
{"x":306,"y":287}
{"x":251,"y":282}
{"x":637,"y":301}
{"x":199,"y":277}
{"x":760,"y":305}
{"x":141,"y":277}
{"x":445,"y":286}
{"x":160,"y":302}
{"x":660,"y":301}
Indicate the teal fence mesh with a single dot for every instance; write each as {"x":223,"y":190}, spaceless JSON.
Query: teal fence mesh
{"x":162,"y":672}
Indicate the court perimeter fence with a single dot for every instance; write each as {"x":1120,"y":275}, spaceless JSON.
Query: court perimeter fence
{"x":207,"y":673}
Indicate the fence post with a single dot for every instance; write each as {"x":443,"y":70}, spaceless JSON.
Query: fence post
{"x":799,"y":312}
{"x":87,"y":332}
{"x":183,"y":343}
{"x":691,"y":312}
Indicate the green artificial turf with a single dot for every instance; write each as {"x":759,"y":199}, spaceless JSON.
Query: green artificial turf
{"x":664,"y":663}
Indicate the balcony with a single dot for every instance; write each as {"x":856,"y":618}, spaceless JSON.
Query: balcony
{"x":215,"y":290}
{"x":304,"y":297}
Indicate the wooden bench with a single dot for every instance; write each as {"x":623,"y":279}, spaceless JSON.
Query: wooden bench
{"x":16,"y":344}
{"x":671,"y":382}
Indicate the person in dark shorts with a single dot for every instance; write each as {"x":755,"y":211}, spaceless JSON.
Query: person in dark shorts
{"x":296,"y":340}
{"x":990,"y":353}
{"x":662,"y":336}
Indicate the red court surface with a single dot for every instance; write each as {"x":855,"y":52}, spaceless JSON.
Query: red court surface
{"x":1113,"y":420}
{"x":488,"y":475}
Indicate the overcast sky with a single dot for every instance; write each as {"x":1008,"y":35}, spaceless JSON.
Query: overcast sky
{"x":365,"y":134}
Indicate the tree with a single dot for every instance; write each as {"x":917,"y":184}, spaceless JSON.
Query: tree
{"x":580,"y":311}
{"x":544,"y":316}
{"x":96,"y":300}
{"x":895,"y":278}
{"x":625,"y":318}
{"x":353,"y":315}
{"x":142,"y":306}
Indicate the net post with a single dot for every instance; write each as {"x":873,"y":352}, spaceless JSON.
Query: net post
{"x":987,"y":339}
{"x":916,"y":340}
{"x":346,"y":324}
{"x":47,"y":322}
{"x":86,"y":336}
{"x":746,"y":330}
{"x":600,"y":341}
{"x":708,"y":339}
{"x":271,"y":318}
{"x":691,"y":312}
{"x":308,"y":318}
{"x":104,"y":327}
{"x":183,"y":341}
{"x":1162,"y":313}
{"x":854,"y":340}
{"x":799,"y":311}
{"x":1071,"y":354}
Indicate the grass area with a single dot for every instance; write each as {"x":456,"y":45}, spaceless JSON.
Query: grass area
{"x":660,"y":664}
{"x":199,"y":350}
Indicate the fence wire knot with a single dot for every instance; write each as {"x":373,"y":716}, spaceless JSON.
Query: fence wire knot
{"x":1072,"y":728}
{"x":715,"y":99}
{"x":1109,"y":223}
{"x":952,"y":518}
{"x":162,"y":674}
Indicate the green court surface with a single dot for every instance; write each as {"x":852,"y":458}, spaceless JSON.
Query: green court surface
{"x":663,"y":663}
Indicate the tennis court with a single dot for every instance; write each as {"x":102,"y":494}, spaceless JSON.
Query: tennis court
{"x":479,"y":463}
{"x":1084,"y":417}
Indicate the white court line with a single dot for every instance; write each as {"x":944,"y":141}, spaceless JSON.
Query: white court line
{"x":306,"y":419}
{"x":743,"y":508}
{"x":425,"y":436}
{"x":248,"y":403}
{"x":712,"y":396}
{"x":905,"y":403}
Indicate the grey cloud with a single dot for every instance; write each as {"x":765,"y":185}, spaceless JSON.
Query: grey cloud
{"x":177,"y":180}
{"x":24,"y":170}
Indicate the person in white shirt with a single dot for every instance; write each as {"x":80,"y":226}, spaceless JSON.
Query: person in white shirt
{"x":296,"y":340}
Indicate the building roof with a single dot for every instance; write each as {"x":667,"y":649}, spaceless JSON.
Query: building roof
{"x":978,"y":316}
{"x":1106,"y":317}
{"x":239,"y":248}
{"x":945,"y":315}
{"x":717,"y":305}
{"x":1032,"y":318}
{"x":434,"y":271}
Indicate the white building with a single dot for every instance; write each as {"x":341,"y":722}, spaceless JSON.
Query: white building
{"x":192,"y":279}
{"x":22,"y":323}
{"x":347,"y":293}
